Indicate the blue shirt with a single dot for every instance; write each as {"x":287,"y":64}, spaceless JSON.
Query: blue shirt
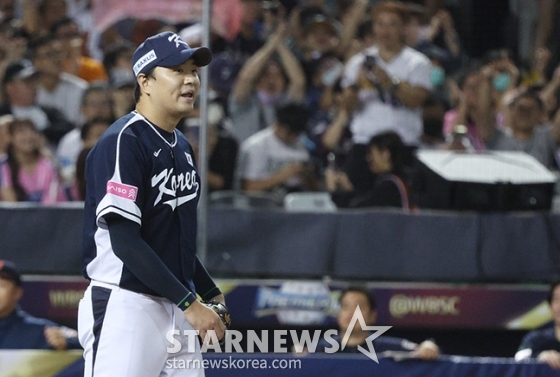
{"x":540,"y":340}
{"x":20,"y":330}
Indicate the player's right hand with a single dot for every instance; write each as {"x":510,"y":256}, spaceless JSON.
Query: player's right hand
{"x":203,"y":319}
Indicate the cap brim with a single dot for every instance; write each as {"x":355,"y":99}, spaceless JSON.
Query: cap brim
{"x":202,"y":56}
{"x":27,"y":72}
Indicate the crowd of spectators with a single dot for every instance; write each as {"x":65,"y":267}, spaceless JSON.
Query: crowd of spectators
{"x":312,"y":95}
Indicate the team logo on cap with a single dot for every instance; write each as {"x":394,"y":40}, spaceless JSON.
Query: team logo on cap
{"x":178,"y":41}
{"x":144,"y":61}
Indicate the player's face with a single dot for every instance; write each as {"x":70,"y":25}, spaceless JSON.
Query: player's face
{"x":388,"y":29}
{"x":10,"y":294}
{"x":348,"y":304}
{"x":174,"y":89}
{"x":555,"y":305}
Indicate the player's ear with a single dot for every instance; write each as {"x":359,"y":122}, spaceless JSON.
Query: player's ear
{"x":143,"y":83}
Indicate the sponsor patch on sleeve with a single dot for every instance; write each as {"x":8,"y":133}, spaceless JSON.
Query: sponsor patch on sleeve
{"x":120,"y":189}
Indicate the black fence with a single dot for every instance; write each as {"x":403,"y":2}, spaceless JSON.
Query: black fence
{"x":351,"y":244}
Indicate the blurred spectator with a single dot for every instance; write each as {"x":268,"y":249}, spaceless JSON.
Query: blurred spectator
{"x":275,"y":159}
{"x":57,"y":89}
{"x":320,"y":37}
{"x":249,"y":39}
{"x":433,"y":115}
{"x":355,"y":296}
{"x":262,"y":83}
{"x":96,"y":103}
{"x":13,"y":44}
{"x":230,"y":56}
{"x":441,"y":34}
{"x":22,"y":331}
{"x":122,"y":96}
{"x":90,"y":134}
{"x":27,"y":175}
{"x":66,"y":31}
{"x":20,"y":87}
{"x":390,"y":82}
{"x":118,"y":63}
{"x":385,"y":158}
{"x":544,"y":344}
{"x":5,"y":121}
{"x":525,"y":132}
{"x":328,"y":128}
{"x":474,"y":108}
{"x":318,"y":58}
{"x":222,"y":147}
{"x":503,"y":75}
{"x":39,"y":16}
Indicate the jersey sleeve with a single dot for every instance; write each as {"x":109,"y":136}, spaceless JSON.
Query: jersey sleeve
{"x":205,"y":286}
{"x":120,"y":169}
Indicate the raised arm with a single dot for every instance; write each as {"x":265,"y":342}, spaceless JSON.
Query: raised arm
{"x":350,"y":25}
{"x":484,"y":115}
{"x":247,"y":77}
{"x":296,"y":76}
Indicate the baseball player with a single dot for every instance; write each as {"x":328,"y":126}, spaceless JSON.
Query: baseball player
{"x":140,"y":226}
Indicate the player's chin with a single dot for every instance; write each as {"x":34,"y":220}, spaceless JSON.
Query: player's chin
{"x":186,"y":108}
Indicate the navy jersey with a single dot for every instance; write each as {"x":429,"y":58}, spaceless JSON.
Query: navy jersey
{"x":148,"y":176}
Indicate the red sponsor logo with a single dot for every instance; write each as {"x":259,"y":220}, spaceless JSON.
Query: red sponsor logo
{"x":122,"y":190}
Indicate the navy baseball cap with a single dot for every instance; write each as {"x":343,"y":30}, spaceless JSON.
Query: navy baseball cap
{"x":22,"y":69}
{"x":9,"y":271}
{"x":167,"y":49}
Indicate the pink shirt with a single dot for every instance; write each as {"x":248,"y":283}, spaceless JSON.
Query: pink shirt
{"x":41,"y":186}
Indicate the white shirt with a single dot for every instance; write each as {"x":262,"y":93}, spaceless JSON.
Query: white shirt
{"x":66,"y":97}
{"x":263,"y":154}
{"x":33,"y":113}
{"x":67,"y":153}
{"x":375,"y":116}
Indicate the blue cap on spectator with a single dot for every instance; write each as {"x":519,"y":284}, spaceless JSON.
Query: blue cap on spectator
{"x":167,"y":49}
{"x":9,"y":271}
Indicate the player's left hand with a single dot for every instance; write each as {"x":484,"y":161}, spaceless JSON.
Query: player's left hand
{"x":427,"y":350}
{"x":204,"y":319}
{"x":55,"y":337}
